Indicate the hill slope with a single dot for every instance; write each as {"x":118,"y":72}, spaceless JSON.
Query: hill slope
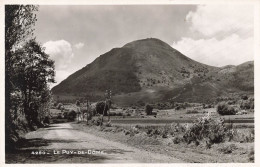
{"x":151,"y":70}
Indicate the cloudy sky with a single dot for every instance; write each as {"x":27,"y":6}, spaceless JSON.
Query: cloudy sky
{"x":75,"y":35}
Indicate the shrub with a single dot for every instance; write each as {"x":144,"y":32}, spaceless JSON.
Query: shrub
{"x":112,"y":114}
{"x":148,"y":109}
{"x":231,"y":102}
{"x":46,"y":120}
{"x":59,"y":116}
{"x":119,"y":114}
{"x":176,"y":139}
{"x":149,"y":131}
{"x":224,"y":109}
{"x":127,"y":132}
{"x":247,"y":104}
{"x":210,"y":130}
{"x":71,"y":115}
{"x":97,"y":121}
{"x":179,"y":106}
{"x":244,"y":97}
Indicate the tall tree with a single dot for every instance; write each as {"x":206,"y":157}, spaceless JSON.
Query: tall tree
{"x":19,"y":21}
{"x":32,"y":71}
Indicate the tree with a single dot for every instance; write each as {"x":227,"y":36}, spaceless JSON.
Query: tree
{"x":19,"y":20}
{"x":102,"y":108}
{"x":32,"y":71}
{"x":148,"y":109}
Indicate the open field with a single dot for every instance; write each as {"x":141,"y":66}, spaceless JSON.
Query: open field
{"x":170,"y":116}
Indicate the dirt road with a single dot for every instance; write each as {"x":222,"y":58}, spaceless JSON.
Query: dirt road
{"x":59,"y":139}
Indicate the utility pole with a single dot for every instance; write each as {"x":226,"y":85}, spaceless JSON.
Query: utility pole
{"x":108,"y":95}
{"x":109,"y":103}
{"x":88,"y":111}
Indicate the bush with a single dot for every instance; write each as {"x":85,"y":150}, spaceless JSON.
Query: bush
{"x":112,"y":114}
{"x":148,"y":109}
{"x":224,"y":109}
{"x":231,"y":102}
{"x":244,"y":97}
{"x":97,"y":121}
{"x":46,"y":120}
{"x":247,"y":104}
{"x":59,"y":116}
{"x":71,"y":115}
{"x":179,"y":106}
{"x":119,"y":114}
{"x":176,"y":139}
{"x":210,"y":130}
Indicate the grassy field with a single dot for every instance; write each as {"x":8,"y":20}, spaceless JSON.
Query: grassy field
{"x":163,"y":117}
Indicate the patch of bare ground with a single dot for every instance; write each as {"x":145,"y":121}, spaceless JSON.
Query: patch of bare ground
{"x":227,"y":152}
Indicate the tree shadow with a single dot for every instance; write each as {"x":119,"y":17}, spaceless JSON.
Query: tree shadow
{"x":35,"y":143}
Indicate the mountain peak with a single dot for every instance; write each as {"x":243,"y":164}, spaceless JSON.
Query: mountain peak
{"x":148,"y":42}
{"x":151,"y":70}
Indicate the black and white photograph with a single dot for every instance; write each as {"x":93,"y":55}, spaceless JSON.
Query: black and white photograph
{"x":129,"y":83}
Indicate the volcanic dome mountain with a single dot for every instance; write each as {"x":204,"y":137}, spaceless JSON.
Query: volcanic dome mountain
{"x":151,"y":70}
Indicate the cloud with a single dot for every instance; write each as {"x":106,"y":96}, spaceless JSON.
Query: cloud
{"x":231,"y":50}
{"x":79,"y":45}
{"x":212,"y":19}
{"x":226,"y":35}
{"x":59,"y":51}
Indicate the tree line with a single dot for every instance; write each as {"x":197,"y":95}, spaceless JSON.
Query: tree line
{"x":28,"y":70}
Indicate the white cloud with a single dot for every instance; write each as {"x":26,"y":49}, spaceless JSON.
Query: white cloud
{"x":231,"y":50}
{"x":212,"y":19}
{"x":59,"y":51}
{"x":226,"y":35}
{"x":79,"y":45}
